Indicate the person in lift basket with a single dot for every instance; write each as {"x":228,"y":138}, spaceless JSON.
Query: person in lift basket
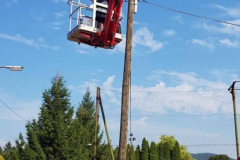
{"x":100,"y":16}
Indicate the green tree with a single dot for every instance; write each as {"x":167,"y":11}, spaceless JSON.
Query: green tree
{"x":184,"y":154}
{"x":1,"y":150}
{"x":166,"y":151}
{"x":115,"y":152}
{"x":137,"y":153}
{"x":10,"y":152}
{"x":83,"y":128}
{"x":145,"y":149}
{"x":219,"y":157}
{"x":160,"y":150}
{"x":128,"y":152}
{"x":175,"y":152}
{"x":53,"y":123}
{"x":153,"y":151}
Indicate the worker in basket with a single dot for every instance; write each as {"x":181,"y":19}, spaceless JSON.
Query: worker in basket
{"x":100,"y":16}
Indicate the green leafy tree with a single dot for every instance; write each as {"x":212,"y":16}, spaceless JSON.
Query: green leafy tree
{"x":184,"y":154}
{"x":137,"y":153}
{"x":145,"y":149}
{"x":153,"y":151}
{"x":219,"y":157}
{"x":115,"y":152}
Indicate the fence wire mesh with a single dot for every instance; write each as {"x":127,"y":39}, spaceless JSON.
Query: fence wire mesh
{"x":203,"y":121}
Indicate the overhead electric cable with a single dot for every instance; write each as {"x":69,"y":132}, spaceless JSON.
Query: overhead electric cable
{"x":190,"y":14}
{"x":13,"y":111}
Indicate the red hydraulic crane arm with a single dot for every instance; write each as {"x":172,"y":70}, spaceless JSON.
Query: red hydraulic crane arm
{"x":111,"y":21}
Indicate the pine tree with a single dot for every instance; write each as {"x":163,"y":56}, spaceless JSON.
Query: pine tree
{"x":33,"y":141}
{"x":137,"y":153}
{"x":10,"y":152}
{"x":54,"y":121}
{"x":144,"y":151}
{"x":166,"y":151}
{"x":153,"y":151}
{"x":84,"y":126}
{"x":175,"y":152}
{"x":160,"y":150}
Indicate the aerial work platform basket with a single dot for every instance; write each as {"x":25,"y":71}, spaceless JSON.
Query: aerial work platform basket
{"x":84,"y":27}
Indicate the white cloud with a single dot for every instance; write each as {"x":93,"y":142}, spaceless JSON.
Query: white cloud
{"x":169,"y":33}
{"x":82,"y":52}
{"x":10,"y":3}
{"x":57,"y":1}
{"x":26,"y":109}
{"x":108,"y":83}
{"x":29,"y":42}
{"x":233,"y":12}
{"x":60,"y":14}
{"x":179,"y":19}
{"x":224,"y":29}
{"x":146,"y":38}
{"x":229,"y":43}
{"x":209,"y":44}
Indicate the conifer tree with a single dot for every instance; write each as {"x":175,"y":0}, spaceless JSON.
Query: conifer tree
{"x":153,"y":151}
{"x":160,"y":150}
{"x":166,"y":151}
{"x":175,"y":152}
{"x":144,"y":151}
{"x":84,"y":125}
{"x":137,"y":153}
{"x":10,"y":152}
{"x":54,"y":121}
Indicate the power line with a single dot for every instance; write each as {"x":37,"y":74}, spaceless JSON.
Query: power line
{"x":13,"y":111}
{"x":190,"y":14}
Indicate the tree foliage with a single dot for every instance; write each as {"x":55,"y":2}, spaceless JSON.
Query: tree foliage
{"x":145,"y":149}
{"x":153,"y":151}
{"x":56,"y":135}
{"x":219,"y":157}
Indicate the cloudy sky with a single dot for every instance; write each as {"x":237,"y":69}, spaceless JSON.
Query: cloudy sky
{"x":172,"y":53}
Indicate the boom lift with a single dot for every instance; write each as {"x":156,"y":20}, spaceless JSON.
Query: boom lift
{"x":86,"y":28}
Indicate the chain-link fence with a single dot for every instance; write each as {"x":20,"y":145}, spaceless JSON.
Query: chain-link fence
{"x":203,"y":121}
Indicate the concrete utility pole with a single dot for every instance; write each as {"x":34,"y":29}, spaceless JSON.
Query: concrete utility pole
{"x":232,"y":91}
{"x":125,"y":85}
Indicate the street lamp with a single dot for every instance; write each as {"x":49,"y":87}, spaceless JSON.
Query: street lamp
{"x":13,"y":68}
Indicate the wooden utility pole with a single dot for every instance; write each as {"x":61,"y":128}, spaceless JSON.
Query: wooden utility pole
{"x":232,"y":91}
{"x":126,"y":82}
{"x":96,"y":125}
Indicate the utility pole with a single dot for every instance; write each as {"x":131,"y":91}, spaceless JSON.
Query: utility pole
{"x":126,"y":82}
{"x":232,"y":91}
{"x":96,"y":124}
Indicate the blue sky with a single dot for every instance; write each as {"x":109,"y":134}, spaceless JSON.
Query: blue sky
{"x":172,"y":52}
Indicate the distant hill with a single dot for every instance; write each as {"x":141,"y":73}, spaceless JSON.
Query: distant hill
{"x":204,"y":156}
